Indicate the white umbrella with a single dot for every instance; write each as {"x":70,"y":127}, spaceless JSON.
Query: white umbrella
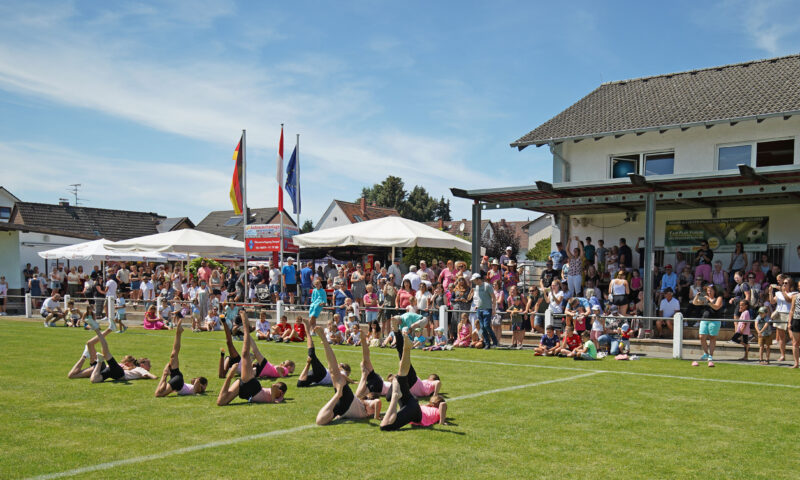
{"x":383,"y":232}
{"x":189,"y":241}
{"x":98,"y":250}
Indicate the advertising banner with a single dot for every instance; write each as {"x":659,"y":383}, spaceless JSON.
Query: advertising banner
{"x":266,"y":238}
{"x":721,"y":234}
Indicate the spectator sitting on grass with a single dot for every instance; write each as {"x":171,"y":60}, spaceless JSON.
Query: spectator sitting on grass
{"x":587,"y":351}
{"x":390,"y":340}
{"x":569,"y":342}
{"x":281,"y":329}
{"x":296,"y":333}
{"x":354,"y":338}
{"x":464,"y":332}
{"x":333,"y":334}
{"x":419,"y":339}
{"x":263,"y":326}
{"x":549,"y":343}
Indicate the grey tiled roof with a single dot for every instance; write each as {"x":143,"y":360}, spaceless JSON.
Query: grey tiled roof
{"x":738,"y":91}
{"x":215,"y":221}
{"x":112,"y":225}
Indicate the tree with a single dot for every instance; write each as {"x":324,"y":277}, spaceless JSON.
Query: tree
{"x":540,"y":251}
{"x":412,"y":255}
{"x":503,"y":237}
{"x":307,"y":227}
{"x":419,"y":206}
{"x":442,"y":210}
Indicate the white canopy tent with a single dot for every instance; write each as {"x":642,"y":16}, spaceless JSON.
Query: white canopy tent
{"x":188,"y":241}
{"x":395,"y":232}
{"x":98,"y":250}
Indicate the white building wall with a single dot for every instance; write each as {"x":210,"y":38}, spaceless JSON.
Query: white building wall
{"x":335,"y":218}
{"x":610,"y":227}
{"x":30,"y":243}
{"x":695,"y":149}
{"x":9,"y":259}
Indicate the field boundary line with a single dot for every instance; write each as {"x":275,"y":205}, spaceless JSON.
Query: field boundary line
{"x":549,"y":367}
{"x":273,"y":433}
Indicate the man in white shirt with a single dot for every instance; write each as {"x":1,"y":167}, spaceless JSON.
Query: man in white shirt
{"x":51,"y":312}
{"x":148,"y":292}
{"x":123,"y":279}
{"x":423,"y":268}
{"x":413,"y":277}
{"x":111,"y":287}
{"x":667,"y":308}
{"x":394,"y":269}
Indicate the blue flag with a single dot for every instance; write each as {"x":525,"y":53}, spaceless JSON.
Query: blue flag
{"x":293,"y":181}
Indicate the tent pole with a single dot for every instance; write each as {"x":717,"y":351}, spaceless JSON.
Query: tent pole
{"x":244,"y":213}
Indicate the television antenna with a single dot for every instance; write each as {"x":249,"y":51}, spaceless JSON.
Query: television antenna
{"x":74,"y":187}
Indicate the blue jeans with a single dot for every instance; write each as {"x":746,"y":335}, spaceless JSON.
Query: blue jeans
{"x":612,"y":341}
{"x":489,"y":338}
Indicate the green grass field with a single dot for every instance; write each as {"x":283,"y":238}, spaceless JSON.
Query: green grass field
{"x":511,"y":415}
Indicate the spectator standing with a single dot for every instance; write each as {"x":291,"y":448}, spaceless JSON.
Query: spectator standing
{"x":289,"y":273}
{"x":447,"y":275}
{"x":73,"y":282}
{"x":575,"y":268}
{"x":589,"y":251}
{"x":485,"y":309}
{"x":123,"y":279}
{"x":204,"y":273}
{"x":794,"y":318}
{"x":413,"y":277}
{"x":394,"y":269}
{"x":357,"y":284}
{"x":556,"y":256}
{"x":506,"y":256}
{"x":763,"y":326}
{"x":702,"y":261}
{"x":742,"y":328}
{"x":306,"y":283}
{"x":600,"y":255}
{"x":738,"y":260}
{"x":625,"y":256}
{"x":27,"y":274}
{"x":3,"y":295}
{"x":779,"y":296}
{"x":148,"y":292}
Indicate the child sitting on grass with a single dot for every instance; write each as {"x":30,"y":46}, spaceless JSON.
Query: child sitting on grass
{"x":587,"y":351}
{"x":390,"y":340}
{"x":74,"y":315}
{"x":354,"y":338}
{"x":419,"y":339}
{"x":439,"y":340}
{"x":464,"y":332}
{"x":549,"y":343}
{"x":476,"y":338}
{"x":333,"y":334}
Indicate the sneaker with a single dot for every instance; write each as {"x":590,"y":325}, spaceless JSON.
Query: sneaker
{"x":86,"y":352}
{"x":46,"y":324}
{"x":704,"y":357}
{"x":694,"y":364}
{"x":100,"y":358}
{"x":710,"y":363}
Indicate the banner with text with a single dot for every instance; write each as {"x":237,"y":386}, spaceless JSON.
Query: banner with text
{"x":721,"y":234}
{"x":266,"y":238}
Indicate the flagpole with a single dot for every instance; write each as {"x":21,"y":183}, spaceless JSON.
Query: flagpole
{"x":297,"y":188}
{"x":244,"y":214}
{"x":280,"y":214}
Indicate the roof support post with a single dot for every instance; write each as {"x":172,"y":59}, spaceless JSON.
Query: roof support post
{"x":649,"y":256}
{"x":476,"y":237}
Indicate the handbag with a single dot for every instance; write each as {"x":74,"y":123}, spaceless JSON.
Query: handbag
{"x":497,"y":320}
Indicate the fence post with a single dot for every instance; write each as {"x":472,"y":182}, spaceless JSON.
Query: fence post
{"x":278,"y":310}
{"x":548,"y":318}
{"x":110,"y":310}
{"x":28,"y":305}
{"x":677,"y":336}
{"x":66,"y":301}
{"x":443,"y":317}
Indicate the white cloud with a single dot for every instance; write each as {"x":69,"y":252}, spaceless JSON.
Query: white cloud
{"x":771,"y":25}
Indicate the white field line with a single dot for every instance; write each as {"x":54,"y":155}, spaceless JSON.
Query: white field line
{"x":508,"y":364}
{"x":274,"y":433}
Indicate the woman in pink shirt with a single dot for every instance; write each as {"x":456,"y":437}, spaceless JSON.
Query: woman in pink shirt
{"x":404,"y":295}
{"x":448,"y":275}
{"x":248,"y":387}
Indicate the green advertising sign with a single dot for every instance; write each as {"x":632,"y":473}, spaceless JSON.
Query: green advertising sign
{"x":721,"y":234}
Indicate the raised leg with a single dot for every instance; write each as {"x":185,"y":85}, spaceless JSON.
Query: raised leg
{"x":228,"y":391}
{"x":247,"y":362}
{"x":366,"y":366}
{"x":333,"y":365}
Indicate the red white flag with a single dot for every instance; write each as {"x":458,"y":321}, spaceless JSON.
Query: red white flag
{"x":280,"y":173}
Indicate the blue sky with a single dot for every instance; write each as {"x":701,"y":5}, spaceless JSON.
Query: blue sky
{"x":143,"y":102}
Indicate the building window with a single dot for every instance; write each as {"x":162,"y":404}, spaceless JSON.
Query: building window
{"x":770,"y":153}
{"x":5,"y":213}
{"x":657,"y":163}
{"x":357,"y":218}
{"x":233,"y":221}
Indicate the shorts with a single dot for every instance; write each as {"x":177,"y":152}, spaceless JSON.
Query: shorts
{"x":216,"y":291}
{"x":176,"y":379}
{"x":343,"y":405}
{"x":709,"y":327}
{"x":620,"y":300}
{"x":123,"y":287}
{"x":112,"y":370}
{"x":782,"y":317}
{"x":374,"y":382}
{"x":233,"y":360}
{"x":291,"y":288}
{"x":765,"y":340}
{"x":317,"y":373}
{"x":249,"y":389}
{"x":538,"y":320}
{"x":410,"y":412}
{"x":795,"y":325}
{"x":135,"y":285}
{"x":517,"y":327}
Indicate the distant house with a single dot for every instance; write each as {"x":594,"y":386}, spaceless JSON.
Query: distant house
{"x":542,"y":227}
{"x":227,"y":224}
{"x":7,"y":201}
{"x":105,"y":223}
{"x":347,"y":213}
{"x":35,"y":227}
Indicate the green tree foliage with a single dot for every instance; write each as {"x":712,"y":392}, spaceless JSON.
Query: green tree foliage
{"x":194,"y":264}
{"x":503,"y":237}
{"x":417,"y":205}
{"x":540,"y":251}
{"x":412,"y":256}
{"x":442,"y":210}
{"x":307,"y":227}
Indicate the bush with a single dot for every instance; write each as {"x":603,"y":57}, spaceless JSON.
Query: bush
{"x":540,"y":251}
{"x":412,"y":256}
